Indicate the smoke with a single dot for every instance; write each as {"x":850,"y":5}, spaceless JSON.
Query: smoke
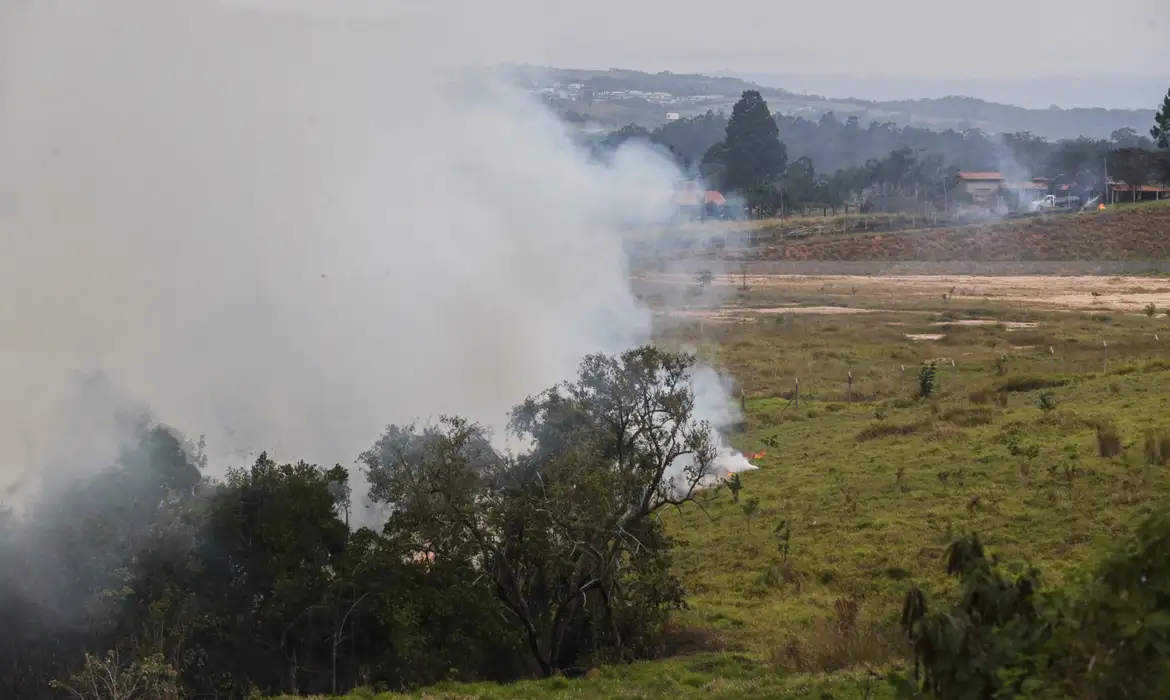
{"x":285,"y":232}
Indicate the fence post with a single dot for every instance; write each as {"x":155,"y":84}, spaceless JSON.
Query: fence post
{"x":796,"y":396}
{"x":902,"y":381}
{"x":1105,"y":344}
{"x":1052,"y":360}
{"x":954,"y":377}
{"x":850,"y":395}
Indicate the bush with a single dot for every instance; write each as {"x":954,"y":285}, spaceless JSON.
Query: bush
{"x":945,"y":432}
{"x":1108,"y":440}
{"x":968,"y":417}
{"x":884,"y":430}
{"x":1157,"y":447}
{"x":842,"y":641}
{"x":926,"y":380}
{"x":1030,"y":382}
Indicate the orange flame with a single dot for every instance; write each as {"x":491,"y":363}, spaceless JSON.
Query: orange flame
{"x":759,"y":455}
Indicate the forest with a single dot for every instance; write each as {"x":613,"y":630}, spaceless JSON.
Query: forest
{"x":146,"y":578}
{"x":827,"y":162}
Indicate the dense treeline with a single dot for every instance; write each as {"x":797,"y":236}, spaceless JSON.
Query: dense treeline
{"x":828,"y":162}
{"x":147,"y":575}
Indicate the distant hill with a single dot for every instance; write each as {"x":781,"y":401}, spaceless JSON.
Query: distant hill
{"x":613,"y":98}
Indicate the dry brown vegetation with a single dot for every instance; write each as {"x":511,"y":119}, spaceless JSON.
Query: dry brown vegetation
{"x":1136,"y":232}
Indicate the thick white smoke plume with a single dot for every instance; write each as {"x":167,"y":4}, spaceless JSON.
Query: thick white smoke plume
{"x":285,"y":233}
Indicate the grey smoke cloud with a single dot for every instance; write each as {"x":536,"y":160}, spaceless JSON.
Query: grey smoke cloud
{"x":285,"y":233}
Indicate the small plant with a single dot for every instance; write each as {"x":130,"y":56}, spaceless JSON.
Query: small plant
{"x":879,"y":413}
{"x":1046,"y":402}
{"x":749,"y":509}
{"x":1108,"y":440}
{"x":1001,"y":365}
{"x":1151,"y":309}
{"x":783,"y":534}
{"x":705,"y":278}
{"x":1157,"y":449}
{"x":735,"y":485}
{"x":926,"y":380}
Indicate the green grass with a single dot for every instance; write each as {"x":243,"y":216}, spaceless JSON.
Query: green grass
{"x":869,"y":493}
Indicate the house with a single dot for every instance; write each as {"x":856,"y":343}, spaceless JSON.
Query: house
{"x":693,"y":200}
{"x":982,"y":186}
{"x":1121,"y":192}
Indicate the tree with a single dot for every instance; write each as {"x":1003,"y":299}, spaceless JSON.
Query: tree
{"x":752,"y":154}
{"x":562,"y":534}
{"x":1161,"y":129}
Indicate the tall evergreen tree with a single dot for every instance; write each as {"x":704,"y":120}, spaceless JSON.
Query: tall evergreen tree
{"x":1161,"y":130}
{"x":753,"y":156}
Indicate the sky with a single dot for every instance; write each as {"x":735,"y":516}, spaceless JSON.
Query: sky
{"x":992,"y":38}
{"x":1089,"y":53}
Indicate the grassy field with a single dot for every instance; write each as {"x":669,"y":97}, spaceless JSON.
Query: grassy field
{"x":795,"y":589}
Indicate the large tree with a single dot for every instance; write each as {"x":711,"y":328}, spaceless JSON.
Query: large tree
{"x":753,"y":158}
{"x":1161,"y":129}
{"x":563,"y":535}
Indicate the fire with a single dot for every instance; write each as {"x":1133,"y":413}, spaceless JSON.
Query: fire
{"x":759,"y":455}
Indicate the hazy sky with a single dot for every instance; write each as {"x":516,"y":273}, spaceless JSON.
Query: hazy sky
{"x":988,"y":39}
{"x":991,"y":38}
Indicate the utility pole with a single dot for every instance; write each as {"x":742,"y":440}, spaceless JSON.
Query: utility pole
{"x":1107,"y":195}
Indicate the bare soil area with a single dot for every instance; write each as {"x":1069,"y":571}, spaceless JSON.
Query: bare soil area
{"x":1080,"y":293}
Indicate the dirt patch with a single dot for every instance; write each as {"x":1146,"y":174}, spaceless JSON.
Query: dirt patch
{"x":926,"y":336}
{"x":1009,"y":325}
{"x":1072,"y":293}
{"x":828,"y":310}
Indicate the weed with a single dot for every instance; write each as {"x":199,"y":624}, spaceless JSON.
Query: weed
{"x":749,"y":509}
{"x":735,"y":485}
{"x":1046,"y":402}
{"x":1030,"y":382}
{"x":1151,"y":309}
{"x":1001,"y":365}
{"x":972,"y":417}
{"x":883,"y":430}
{"x":945,"y":432}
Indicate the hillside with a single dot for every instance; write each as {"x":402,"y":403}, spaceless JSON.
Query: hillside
{"x":1136,"y":232}
{"x":795,"y":587}
{"x":614,"y":98}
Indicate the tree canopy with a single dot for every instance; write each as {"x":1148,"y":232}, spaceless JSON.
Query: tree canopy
{"x":149,"y":581}
{"x":1161,"y":129}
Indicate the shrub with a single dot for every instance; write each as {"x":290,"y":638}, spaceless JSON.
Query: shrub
{"x":1108,"y":440}
{"x":1030,"y":382}
{"x":968,"y":417}
{"x":945,"y":432}
{"x":926,"y":380}
{"x":1046,"y":402}
{"x":1157,"y":447}
{"x":982,"y":397}
{"x":843,"y":641}
{"x":884,"y":430}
